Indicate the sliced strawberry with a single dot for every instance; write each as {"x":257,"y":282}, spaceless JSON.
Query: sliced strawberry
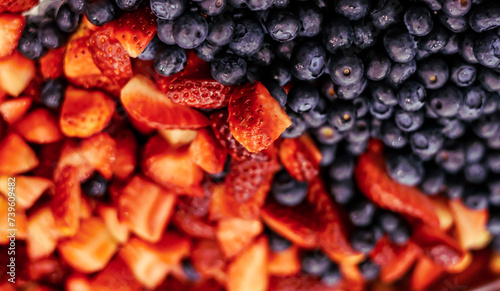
{"x":309,"y":283}
{"x":77,"y":282}
{"x":116,"y":276}
{"x":405,"y":257}
{"x":116,"y":228}
{"x":199,"y":92}
{"x":17,"y":5}
{"x":443,"y":212}
{"x":49,"y":270}
{"x":16,"y":155}
{"x":145,"y":215}
{"x":85,"y":112}
{"x":109,"y":55}
{"x":470,"y":225}
{"x":300,"y":157}
{"x":284,"y":263}
{"x":34,"y":86}
{"x":135,"y":30}
{"x":16,"y":72}
{"x":11,"y":29}
{"x":169,"y":166}
{"x":180,"y":285}
{"x":66,"y":202}
{"x":235,"y":234}
{"x":374,"y":181}
{"x":178,"y":137}
{"x":20,"y":222}
{"x":145,"y":103}
{"x":51,"y":64}
{"x":206,"y":152}
{"x":208,"y":259}
{"x":495,"y":263}
{"x":219,"y":207}
{"x":126,"y":154}
{"x":42,"y":234}
{"x":39,"y":126}
{"x":256,"y":119}
{"x":384,"y":252}
{"x":91,"y":248}
{"x":28,"y":189}
{"x":13,"y":110}
{"x":193,"y":225}
{"x":425,"y":273}
{"x":248,"y":272}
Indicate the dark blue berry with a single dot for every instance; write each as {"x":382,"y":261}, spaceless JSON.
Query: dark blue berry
{"x":383,"y":93}
{"x":452,"y":46}
{"x":128,"y":5}
{"x":277,"y":243}
{"x":491,"y":104}
{"x":487,"y":50}
{"x":190,"y":30}
{"x":51,"y":36}
{"x":379,"y":110}
{"x":466,"y":48}
{"x":328,"y":153}
{"x":454,"y":24}
{"x":281,"y":3}
{"x":308,"y":60}
{"x":369,"y":270}
{"x":351,"y":91}
{"x":297,"y":128}
{"x":247,"y":38}
{"x":95,"y":186}
{"x":474,"y":150}
{"x":302,"y":97}
{"x":456,"y":8}
{"x":165,"y":31}
{"x":100,"y":12}
{"x":283,"y":26}
{"x":435,"y":41}
{"x":446,"y":101}
{"x":494,"y":191}
{"x":353,"y":9}
{"x":288,"y":191}
{"x":494,"y":222}
{"x":356,"y":148}
{"x":401,"y":72}
{"x":490,"y":80}
{"x":284,"y":49}
{"x":404,"y":168}
{"x":189,"y":270}
{"x":276,"y":91}
{"x":426,"y":142}
{"x":31,"y":47}
{"x":363,"y":240}
{"x":401,"y":235}
{"x":475,"y":173}
{"x":378,"y":66}
{"x":264,"y":57}
{"x":331,"y":276}
{"x":311,"y":19}
{"x":392,"y":135}
{"x":433,"y":73}
{"x":361,"y":105}
{"x":52,"y":93}
{"x":418,"y":20}
{"x":342,"y":115}
{"x":77,"y":6}
{"x":220,"y":30}
{"x":365,"y":34}
{"x":207,"y":51}
{"x":389,"y":221}
{"x":400,"y":45}
{"x":360,"y":132}
{"x":170,"y":60}
{"x":486,"y":126}
{"x":279,"y":72}
{"x":386,"y":14}
{"x":493,"y":161}
{"x":361,"y":213}
{"x":409,"y":120}
{"x":475,"y":198}
{"x":463,"y":74}
{"x":485,"y":17}
{"x":343,"y":168}
{"x":237,"y":3}
{"x":168,"y":9}
{"x":451,"y":127}
{"x":433,"y":181}
{"x":337,"y":34}
{"x":315,"y":118}
{"x":455,"y":187}
{"x":472,"y":106}
{"x":66,"y":19}
{"x":258,"y":5}
{"x":314,"y":263}
{"x":342,"y":191}
{"x":451,"y":157}
{"x":212,"y":7}
{"x":346,"y":70}
{"x":149,"y":53}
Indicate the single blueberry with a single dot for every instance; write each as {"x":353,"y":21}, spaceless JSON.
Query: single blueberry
{"x":168,"y":9}
{"x":190,"y":30}
{"x":229,"y":69}
{"x":170,"y":60}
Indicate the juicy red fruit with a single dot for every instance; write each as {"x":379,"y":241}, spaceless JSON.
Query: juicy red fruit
{"x":199,"y":93}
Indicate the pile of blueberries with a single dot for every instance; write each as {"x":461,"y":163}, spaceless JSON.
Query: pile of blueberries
{"x":423,"y":76}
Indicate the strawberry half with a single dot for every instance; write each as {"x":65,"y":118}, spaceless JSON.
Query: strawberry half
{"x":256,"y":119}
{"x":39,"y":126}
{"x":13,"y":110}
{"x":199,"y":92}
{"x":11,"y":29}
{"x":51,"y":64}
{"x":300,"y":157}
{"x":16,"y":155}
{"x":66,"y":202}
{"x":145,"y":103}
{"x":16,"y":72}
{"x":235,"y":234}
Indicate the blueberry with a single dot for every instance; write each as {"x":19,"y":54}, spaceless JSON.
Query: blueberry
{"x":283,"y":26}
{"x":369,"y":270}
{"x":361,"y":213}
{"x":351,"y":91}
{"x":495,"y":243}
{"x":237,"y":3}
{"x":361,"y":106}
{"x":433,"y":181}
{"x":401,"y":235}
{"x":474,"y":150}
{"x":454,"y":24}
{"x":493,"y":161}
{"x":452,"y":46}
{"x":52,"y":93}
{"x":77,"y":6}
{"x":379,"y":110}
{"x":494,"y":191}
{"x":435,"y":41}
{"x":297,"y":128}
{"x":327,"y":154}
{"x":342,"y":191}
{"x":456,"y":8}
{"x":463,"y":74}
{"x":400,"y":45}
{"x":452,"y":128}
{"x":392,"y":135}
{"x":378,"y":66}
{"x":490,"y":80}
{"x":207,"y":51}
{"x":400,"y":72}
{"x":487,"y":50}
{"x":170,"y":60}
{"x":311,"y":19}
{"x":356,"y":148}
{"x":278,"y":243}
{"x":475,"y":198}
{"x":386,"y":14}
{"x":229,"y":69}
{"x":342,"y":115}
{"x":494,"y":142}
{"x":66,"y":19}
{"x":404,"y":168}
{"x":383,"y":94}
{"x":466,"y":48}
{"x":190,"y":30}
{"x":353,"y":9}
{"x":363,"y":240}
{"x":314,"y":118}
{"x":212,"y":7}
{"x":258,"y":5}
{"x":485,"y":17}
{"x":149,"y":53}
{"x":308,"y":60}
{"x":433,"y":73}
{"x":360,"y":132}
{"x":475,"y":173}
{"x":491,"y":104}
{"x":472,"y":106}
{"x":346,"y":70}
{"x":190,"y":271}
{"x":337,"y":34}
{"x":264,"y":57}
{"x":494,"y":222}
{"x":100,"y":12}
{"x":284,"y":49}
{"x":451,"y":157}
{"x":446,"y":102}
{"x":220,"y":30}
{"x":314,"y":263}
{"x":288,"y":191}
{"x":168,"y":9}
{"x":365,"y":34}
{"x":165,"y":31}
{"x":331,"y":276}
{"x":408,"y":120}
{"x":486,"y":126}
{"x":302,"y":97}
{"x":31,"y":47}
{"x":343,"y":168}
{"x":128,"y":5}
{"x":276,"y":91}
{"x":418,"y":20}
{"x":51,"y":36}
{"x":247,"y":38}
{"x":434,"y":5}
{"x":281,"y":3}
{"x":95,"y":186}
{"x":327,"y":88}
{"x":327,"y":135}
{"x":426,"y":142}
{"x":389,"y":221}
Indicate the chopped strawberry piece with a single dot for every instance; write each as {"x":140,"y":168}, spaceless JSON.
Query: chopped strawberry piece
{"x":235,"y":234}
{"x":256,"y":119}
{"x":195,"y":68}
{"x":13,"y":110}
{"x":193,"y":225}
{"x":384,"y":252}
{"x":28,"y":189}
{"x":66,"y":202}
{"x":51,"y":64}
{"x":307,"y":283}
{"x":77,"y":282}
{"x":405,"y":257}
{"x":11,"y":29}
{"x":300,"y":157}
{"x":208,"y":259}
{"x":49,"y":270}
{"x":21,"y":222}
{"x":39,"y":126}
{"x":425,"y":273}
{"x":134,"y":30}
{"x":374,"y":181}
{"x":248,"y":271}
{"x":198,"y":92}
{"x":116,"y":276}
{"x":470,"y":225}
{"x":91,"y":248}
{"x":85,"y":112}
{"x":126,"y":154}
{"x":284,"y":263}
{"x":179,"y":285}
{"x":17,"y":5}
{"x":178,"y":137}
{"x":145,"y":215}
{"x":42,"y":234}
{"x":116,"y":228}
{"x":34,"y":86}
{"x":145,"y":103}
{"x":351,"y":272}
{"x":16,"y":72}
{"x":16,"y":156}
{"x":443,"y":212}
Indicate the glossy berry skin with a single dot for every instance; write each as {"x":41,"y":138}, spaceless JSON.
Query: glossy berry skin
{"x":401,"y":235}
{"x":314,"y":263}
{"x":220,"y":30}
{"x":451,"y":157}
{"x":486,"y":126}
{"x":369,"y":270}
{"x":149,"y":53}
{"x":361,"y":213}
{"x":494,"y":222}
{"x":433,"y":73}
{"x":66,"y":19}
{"x":342,"y":191}
{"x":475,"y":173}
{"x":237,"y":3}
{"x":475,"y":198}
{"x":52,"y":93}
{"x":378,"y":66}
{"x":288,"y":191}
{"x":446,"y":101}
{"x":456,"y":8}
{"x":474,"y":150}
{"x":472,"y":106}
{"x":433,"y":181}
{"x":353,"y":9}
{"x":229,"y":69}
{"x":389,"y":221}
{"x":328,"y":153}
{"x":128,"y":5}
{"x":77,"y":6}
{"x":31,"y":47}
{"x":463,"y":74}
{"x":452,"y":46}
{"x":487,"y":50}
{"x":308,"y":61}
{"x":264,"y":57}
{"x":170,"y":60}
{"x":212,"y":7}
{"x":346,"y":70}
{"x":51,"y":36}
{"x":165,"y":31}
{"x":386,"y":14}
{"x":351,"y":91}
{"x":190,"y":30}
{"x":454,"y":24}
{"x":489,"y":79}
{"x":426,"y":142}
{"x":302,"y":97}
{"x":168,"y":9}
{"x":399,"y":45}
{"x":100,"y":12}
{"x":383,"y":93}
{"x":418,"y":20}
{"x":466,"y":48}
{"x":409,"y":121}
{"x":365,"y":34}
{"x":189,"y":270}
{"x":277,"y":243}
{"x":435,"y":40}
{"x":314,"y":118}
{"x":283,"y":26}
{"x":297,"y":128}
{"x":379,"y":110}
{"x":342,"y":115}
{"x":337,"y":34}
{"x":284,"y":49}
{"x":363,"y":240}
{"x":400,"y":72}
{"x":311,"y":19}
{"x":247,"y":38}
{"x":494,"y":192}
{"x":361,"y":105}
{"x":404,"y":168}
{"x":331,"y":276}
{"x":259,"y":5}
{"x":485,"y":17}
{"x":493,"y":162}
{"x":207,"y":51}
{"x":95,"y":186}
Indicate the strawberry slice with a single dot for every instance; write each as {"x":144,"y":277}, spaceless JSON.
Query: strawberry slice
{"x":208,"y":259}
{"x":28,"y":189}
{"x":16,"y":72}
{"x":199,"y":92}
{"x":13,"y":110}
{"x":51,"y":64}
{"x":470,"y":225}
{"x":425,"y":273}
{"x":126,"y":154}
{"x":300,"y":157}
{"x":284,"y":263}
{"x":21,"y":222}
{"x":145,"y":103}
{"x":77,"y":282}
{"x":11,"y":29}
{"x":66,"y":202}
{"x":42,"y":234}
{"x":39,"y":126}
{"x":16,"y":156}
{"x":193,"y":225}
{"x":374,"y":181}
{"x":206,"y":152}
{"x":248,"y":272}
{"x":17,"y":5}
{"x":91,"y":248}
{"x":256,"y":119}
{"x":109,"y":55}
{"x":235,"y":234}
{"x":85,"y":112}
{"x":116,"y":276}
{"x":116,"y":228}
{"x":405,"y":257}
{"x":145,"y":215}
{"x":178,"y":137}
{"x":134,"y":30}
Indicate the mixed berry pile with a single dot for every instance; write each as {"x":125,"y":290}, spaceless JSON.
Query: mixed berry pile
{"x":252,"y":145}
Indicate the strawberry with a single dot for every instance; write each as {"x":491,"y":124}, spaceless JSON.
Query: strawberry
{"x":425,"y":273}
{"x":134,"y":30}
{"x":77,"y":282}
{"x":284,"y":263}
{"x":145,"y":103}
{"x":193,"y":225}
{"x":109,"y":55}
{"x":248,"y":271}
{"x":307,"y":283}
{"x":235,"y":234}
{"x":495,"y":263}
{"x":34,"y":86}
{"x":13,"y":110}
{"x":51,"y":64}
{"x":21,"y":222}
{"x":17,"y":5}
{"x":11,"y":29}
{"x":28,"y":189}
{"x":199,"y":92}
{"x":116,"y":276}
{"x":405,"y":257}
{"x":300,"y":157}
{"x":178,"y":137}
{"x":145,"y":215}
{"x":16,"y":155}
{"x":374,"y":181}
{"x":39,"y":126}
{"x":91,"y":248}
{"x":16,"y":72}
{"x":350,"y":272}
{"x":126,"y":154}
{"x":219,"y":207}
{"x":180,"y":285}
{"x":116,"y":228}
{"x":85,"y":112}
{"x":443,"y":212}
{"x":384,"y":252}
{"x":470,"y":225}
{"x":256,"y":119}
{"x":49,"y":270}
{"x":208,"y":259}
{"x":42,"y":234}
{"x":66,"y":202}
